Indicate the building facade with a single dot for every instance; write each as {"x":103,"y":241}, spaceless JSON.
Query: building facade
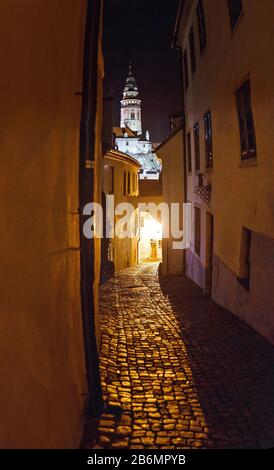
{"x":229,"y":134}
{"x":173,"y":191}
{"x":51,"y":112}
{"x":120,"y":180}
{"x":129,"y":138}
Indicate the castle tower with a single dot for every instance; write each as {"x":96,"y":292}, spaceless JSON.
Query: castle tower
{"x":131,"y":105}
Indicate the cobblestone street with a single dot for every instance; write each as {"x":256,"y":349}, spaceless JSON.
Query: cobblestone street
{"x":178,"y":371}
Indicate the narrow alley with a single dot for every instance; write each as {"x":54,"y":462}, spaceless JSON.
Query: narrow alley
{"x":177,"y":370}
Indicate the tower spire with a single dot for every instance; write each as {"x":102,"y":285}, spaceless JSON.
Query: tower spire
{"x":131,"y":104}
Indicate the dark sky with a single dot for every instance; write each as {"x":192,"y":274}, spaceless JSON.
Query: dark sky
{"x":141,"y":31}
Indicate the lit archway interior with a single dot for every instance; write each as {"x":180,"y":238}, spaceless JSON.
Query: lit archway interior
{"x":150,"y":242}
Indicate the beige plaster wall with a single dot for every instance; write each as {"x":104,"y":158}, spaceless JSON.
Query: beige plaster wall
{"x":41,"y":347}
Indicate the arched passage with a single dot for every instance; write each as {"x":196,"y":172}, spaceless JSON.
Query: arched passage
{"x":150,"y":241}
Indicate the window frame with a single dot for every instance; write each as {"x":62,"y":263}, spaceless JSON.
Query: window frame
{"x":197,"y":149}
{"x":209,"y":160}
{"x":189,"y":152}
{"x":125,"y":184}
{"x":244,"y":277}
{"x":246,"y":126}
{"x":129,"y":183}
{"x":200,"y":13}
{"x":197,"y":233}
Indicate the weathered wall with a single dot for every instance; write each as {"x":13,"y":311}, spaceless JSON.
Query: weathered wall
{"x":41,"y":348}
{"x":256,"y":307}
{"x":242,"y":194}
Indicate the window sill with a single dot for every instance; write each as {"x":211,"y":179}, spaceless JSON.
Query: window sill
{"x":248,"y":162}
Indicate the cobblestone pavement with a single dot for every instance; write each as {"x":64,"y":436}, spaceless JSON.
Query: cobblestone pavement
{"x":178,"y":371}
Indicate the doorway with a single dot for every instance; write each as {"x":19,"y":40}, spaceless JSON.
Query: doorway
{"x":209,"y":251}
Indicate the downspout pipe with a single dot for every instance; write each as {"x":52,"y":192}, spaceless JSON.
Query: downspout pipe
{"x":180,"y":51}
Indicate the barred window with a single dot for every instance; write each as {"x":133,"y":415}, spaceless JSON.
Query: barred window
{"x":246,"y":123}
{"x":208,"y":140}
{"x":196,"y":130}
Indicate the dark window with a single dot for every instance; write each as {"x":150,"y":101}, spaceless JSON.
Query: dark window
{"x":245,"y":258}
{"x":208,"y":140}
{"x":192,"y":50}
{"x":188,"y":142}
{"x":128,"y":183}
{"x":125,"y":183}
{"x":132,"y":116}
{"x":246,"y":124}
{"x":185,"y":62}
{"x":235,"y":9}
{"x":197,"y":221}
{"x":201,"y":25}
{"x":111,"y":180}
{"x":197,"y":146}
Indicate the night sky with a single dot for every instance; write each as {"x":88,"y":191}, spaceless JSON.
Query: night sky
{"x":141,"y":31}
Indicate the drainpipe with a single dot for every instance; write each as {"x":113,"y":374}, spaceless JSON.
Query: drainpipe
{"x":94,"y":403}
{"x":179,"y":49}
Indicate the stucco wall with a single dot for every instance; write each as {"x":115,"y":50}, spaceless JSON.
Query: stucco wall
{"x":172,"y":155}
{"x":125,"y":250}
{"x":41,"y":348}
{"x":242,"y":195}
{"x":256,"y":307}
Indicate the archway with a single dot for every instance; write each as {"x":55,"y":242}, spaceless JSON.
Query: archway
{"x":150,"y":241}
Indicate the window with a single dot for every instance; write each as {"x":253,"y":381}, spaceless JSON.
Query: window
{"x":197,"y":221}
{"x":188,"y":143}
{"x":192,"y":50}
{"x":125,"y":183}
{"x":185,"y":65}
{"x":127,"y":143}
{"x":246,"y":124}
{"x":132,"y":115}
{"x":201,"y":25}
{"x":245,"y":252}
{"x":208,"y":140}
{"x":197,"y":146}
{"x":111,"y":180}
{"x":235,"y":9}
{"x":128,"y":183}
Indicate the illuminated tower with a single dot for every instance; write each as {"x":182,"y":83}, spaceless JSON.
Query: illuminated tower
{"x":131,"y":105}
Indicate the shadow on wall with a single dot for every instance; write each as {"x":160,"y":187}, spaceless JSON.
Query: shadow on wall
{"x":232,"y":368}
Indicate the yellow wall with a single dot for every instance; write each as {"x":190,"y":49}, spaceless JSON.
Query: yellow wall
{"x":43,"y":374}
{"x":171,"y":153}
{"x":125,"y":250}
{"x":242,"y":195}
